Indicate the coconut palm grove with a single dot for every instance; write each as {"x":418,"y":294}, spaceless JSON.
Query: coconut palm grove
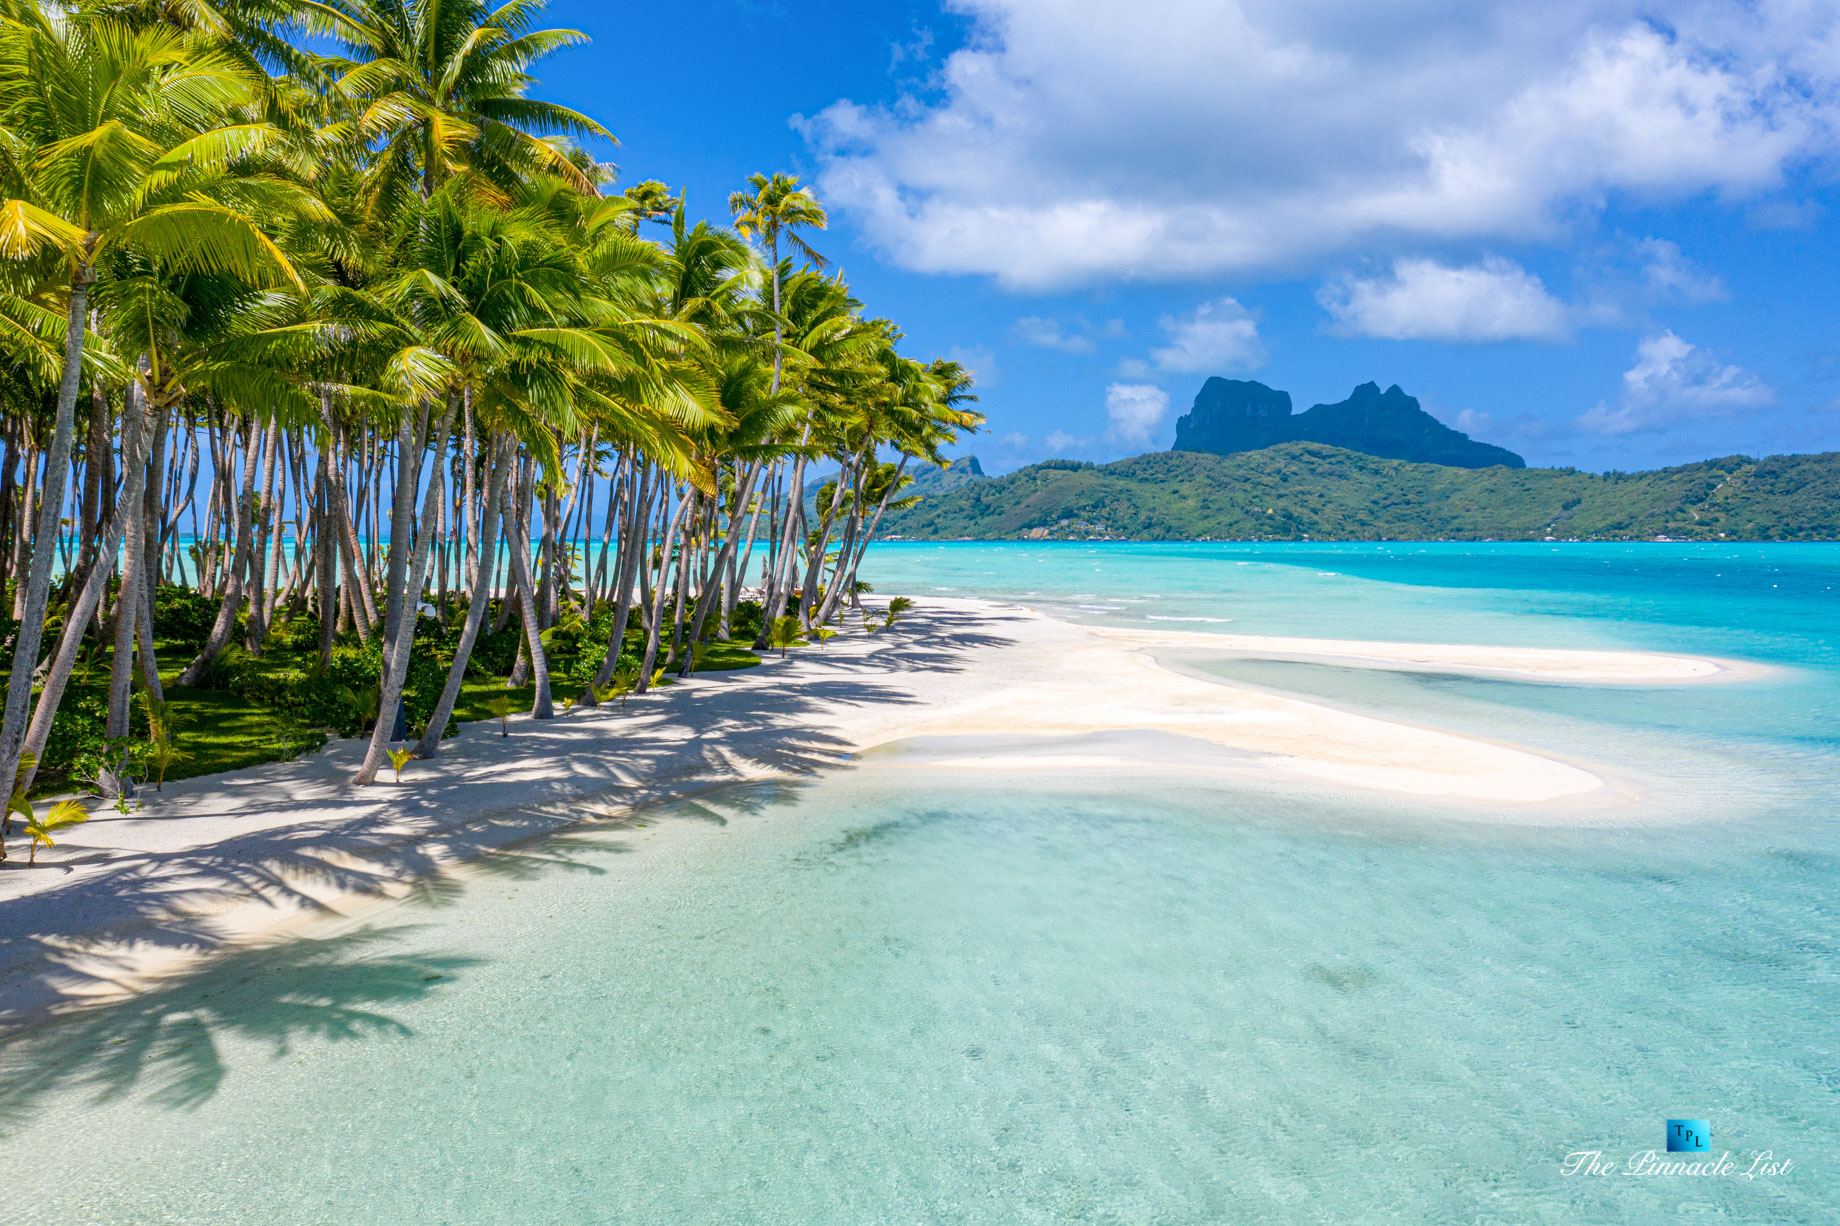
{"x":313,"y":314}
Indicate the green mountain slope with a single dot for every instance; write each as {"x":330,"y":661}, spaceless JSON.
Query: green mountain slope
{"x":1298,"y":490}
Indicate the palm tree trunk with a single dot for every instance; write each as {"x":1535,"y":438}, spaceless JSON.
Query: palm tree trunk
{"x":597,"y":583}
{"x":13,"y":432}
{"x":351,"y":549}
{"x":775,"y":604}
{"x":632,"y":548}
{"x":655,"y":625}
{"x":325,"y":547}
{"x":134,"y":466}
{"x":703,"y":603}
{"x":686,"y":559}
{"x":407,"y":566}
{"x":542,"y":707}
{"x":834,"y":594}
{"x":475,"y":560}
{"x":98,"y":483}
{"x":50,"y":512}
{"x":734,"y":593}
{"x":814,"y":564}
{"x":868,"y":534}
{"x":22,"y":545}
{"x":409,"y":444}
{"x":151,"y":508}
{"x":134,"y":541}
{"x":267,"y":530}
{"x":239,"y":564}
{"x":517,"y":536}
{"x":498,"y":464}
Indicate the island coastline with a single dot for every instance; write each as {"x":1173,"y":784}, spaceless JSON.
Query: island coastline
{"x":253,"y":856}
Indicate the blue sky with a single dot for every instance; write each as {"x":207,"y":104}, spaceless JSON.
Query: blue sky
{"x":1599,"y":233}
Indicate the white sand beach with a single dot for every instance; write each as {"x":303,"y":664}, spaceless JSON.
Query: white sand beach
{"x":1556,"y":665}
{"x":236,"y":857}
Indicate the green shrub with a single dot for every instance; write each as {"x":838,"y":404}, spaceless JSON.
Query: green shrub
{"x":494,"y":654}
{"x":183,"y":617}
{"x":747,"y":619}
{"x":76,"y":747}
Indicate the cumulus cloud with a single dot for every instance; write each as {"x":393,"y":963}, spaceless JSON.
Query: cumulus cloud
{"x":1496,"y":300}
{"x":1081,"y":337}
{"x":980,"y":361}
{"x":1472,"y":421}
{"x":1060,"y":441}
{"x":1673,"y":383}
{"x":1175,"y":139}
{"x":1133,"y":412}
{"x":1671,"y":276}
{"x":1048,"y":334}
{"x":1218,"y":336}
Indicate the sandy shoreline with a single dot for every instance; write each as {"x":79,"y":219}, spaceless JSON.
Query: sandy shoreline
{"x":230,"y":859}
{"x":1539,"y":664}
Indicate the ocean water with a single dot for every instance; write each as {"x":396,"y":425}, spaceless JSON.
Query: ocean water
{"x":900,"y":994}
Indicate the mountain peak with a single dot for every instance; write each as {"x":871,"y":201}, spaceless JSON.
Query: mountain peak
{"x":1233,"y":415}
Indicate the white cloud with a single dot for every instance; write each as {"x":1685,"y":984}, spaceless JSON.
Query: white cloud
{"x":980,"y":361}
{"x":1220,"y":336}
{"x":1015,"y":440}
{"x":1048,"y":334}
{"x":1496,"y":300}
{"x":1472,"y":421}
{"x":1178,"y":139}
{"x":1134,"y":411}
{"x":1673,"y":383}
{"x":1060,"y":440}
{"x":916,"y":51}
{"x":1081,"y":337}
{"x":1671,"y":276}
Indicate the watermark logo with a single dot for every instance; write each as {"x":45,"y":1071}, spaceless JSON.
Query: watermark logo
{"x":1683,"y":1137}
{"x":1688,"y":1136}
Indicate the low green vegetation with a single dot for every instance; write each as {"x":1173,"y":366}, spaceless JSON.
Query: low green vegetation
{"x":276,"y":706}
{"x":1298,"y":491}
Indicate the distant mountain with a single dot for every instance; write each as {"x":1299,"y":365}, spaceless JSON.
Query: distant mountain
{"x":1232,"y":415}
{"x":1307,"y":490}
{"x":930,"y":481}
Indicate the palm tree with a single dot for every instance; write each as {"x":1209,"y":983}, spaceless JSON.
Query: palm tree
{"x":441,"y":91}
{"x":783,"y":633}
{"x":161,"y":756}
{"x":777,"y":209}
{"x":321,"y":296}
{"x":64,"y":814}
{"x":441,"y":95}
{"x":129,"y":141}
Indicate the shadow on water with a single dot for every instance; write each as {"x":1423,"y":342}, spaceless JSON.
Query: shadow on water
{"x":166,"y":1043}
{"x":728,"y":800}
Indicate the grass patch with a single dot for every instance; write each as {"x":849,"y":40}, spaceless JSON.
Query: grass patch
{"x":224,"y":730}
{"x":727,"y":655}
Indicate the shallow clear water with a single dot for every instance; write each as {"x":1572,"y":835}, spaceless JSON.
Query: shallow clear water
{"x":898,"y":994}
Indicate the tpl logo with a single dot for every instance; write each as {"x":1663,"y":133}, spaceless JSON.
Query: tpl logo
{"x":1688,"y":1136}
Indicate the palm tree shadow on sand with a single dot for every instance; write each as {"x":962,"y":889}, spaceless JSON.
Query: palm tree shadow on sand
{"x":166,"y":1043}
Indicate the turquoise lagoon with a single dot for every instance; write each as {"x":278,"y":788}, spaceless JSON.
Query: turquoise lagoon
{"x":900,"y":994}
